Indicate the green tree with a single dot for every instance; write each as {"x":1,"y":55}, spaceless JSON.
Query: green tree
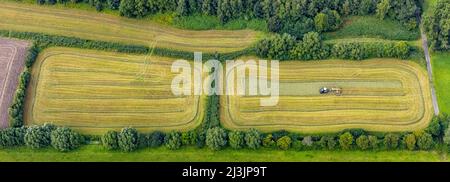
{"x":321,"y":22}
{"x":346,"y":141}
{"x":268,"y":141}
{"x":127,"y":8}
{"x":363,"y":142}
{"x":12,"y":137}
{"x":284,"y":143}
{"x":401,"y":50}
{"x":236,"y":139}
{"x":173,"y":140}
{"x":373,"y":142}
{"x":346,"y":8}
{"x":410,"y":141}
{"x":128,"y":139}
{"x":65,"y":139}
{"x":183,"y":8}
{"x":156,"y":139}
{"x":327,"y":142}
{"x":383,"y":8}
{"x":366,"y":7}
{"x":39,"y":136}
{"x":424,"y":140}
{"x":110,"y":140}
{"x":216,"y":138}
{"x":391,"y":141}
{"x":253,"y":139}
{"x":140,"y":8}
{"x":113,"y":4}
{"x":209,"y":7}
{"x":437,"y":26}
{"x":311,"y":48}
{"x":447,"y":138}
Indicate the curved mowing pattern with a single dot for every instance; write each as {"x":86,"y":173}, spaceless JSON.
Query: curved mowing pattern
{"x":377,"y":95}
{"x":91,"y":25}
{"x":95,"y":91}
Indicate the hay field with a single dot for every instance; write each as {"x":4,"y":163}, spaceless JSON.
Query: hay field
{"x":377,"y":95}
{"x":96,"y":26}
{"x":95,"y":91}
{"x":12,"y":59}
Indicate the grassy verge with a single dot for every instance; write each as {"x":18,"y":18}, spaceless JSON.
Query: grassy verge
{"x":441,"y":71}
{"x":191,"y":154}
{"x":370,"y":26}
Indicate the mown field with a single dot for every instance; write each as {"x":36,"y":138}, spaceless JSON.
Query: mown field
{"x":441,"y":73}
{"x":105,"y":27}
{"x":192,"y":154}
{"x":377,"y":95}
{"x":95,"y":91}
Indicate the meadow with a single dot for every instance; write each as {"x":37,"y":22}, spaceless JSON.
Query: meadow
{"x":372,"y":27}
{"x":106,"y":27}
{"x":94,"y":91}
{"x":192,"y":154}
{"x":441,"y":73}
{"x":377,"y":95}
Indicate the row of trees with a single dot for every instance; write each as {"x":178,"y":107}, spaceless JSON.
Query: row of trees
{"x":129,"y":139}
{"x":437,"y":26}
{"x":311,"y":47}
{"x":217,"y":138}
{"x":16,"y":109}
{"x":41,"y":136}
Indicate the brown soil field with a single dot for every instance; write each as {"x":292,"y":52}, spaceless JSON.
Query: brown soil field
{"x":12,"y":56}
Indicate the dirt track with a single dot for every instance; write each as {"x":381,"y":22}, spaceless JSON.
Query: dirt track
{"x":12,"y":56}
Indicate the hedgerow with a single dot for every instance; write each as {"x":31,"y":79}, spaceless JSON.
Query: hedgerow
{"x":311,"y":47}
{"x":43,"y":41}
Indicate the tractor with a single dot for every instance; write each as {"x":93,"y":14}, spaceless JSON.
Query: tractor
{"x":335,"y":90}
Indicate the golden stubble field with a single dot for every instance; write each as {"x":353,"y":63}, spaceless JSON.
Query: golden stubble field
{"x":96,"y":26}
{"x":95,"y":91}
{"x":377,"y":95}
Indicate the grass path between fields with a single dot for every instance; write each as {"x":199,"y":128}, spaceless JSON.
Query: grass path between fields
{"x":192,"y":154}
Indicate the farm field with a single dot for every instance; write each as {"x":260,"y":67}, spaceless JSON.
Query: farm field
{"x":377,"y":95}
{"x":12,"y":58}
{"x":192,"y":154}
{"x":105,"y":27}
{"x":95,"y":91}
{"x":441,"y":73}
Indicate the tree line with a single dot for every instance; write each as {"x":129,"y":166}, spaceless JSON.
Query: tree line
{"x":295,"y":17}
{"x":217,"y":138}
{"x":312,"y":47}
{"x":41,"y":136}
{"x":437,"y":26}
